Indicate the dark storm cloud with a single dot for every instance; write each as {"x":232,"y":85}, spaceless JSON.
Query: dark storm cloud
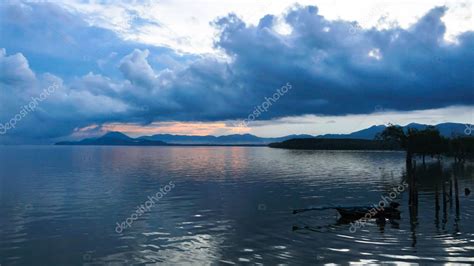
{"x":331,"y":70}
{"x":334,"y":67}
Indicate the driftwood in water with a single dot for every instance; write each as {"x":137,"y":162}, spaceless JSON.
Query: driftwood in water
{"x":357,"y":212}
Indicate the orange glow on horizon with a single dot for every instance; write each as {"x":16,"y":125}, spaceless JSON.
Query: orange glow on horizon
{"x":177,"y":128}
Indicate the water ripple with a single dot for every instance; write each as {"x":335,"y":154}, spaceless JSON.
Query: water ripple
{"x":230,"y":205}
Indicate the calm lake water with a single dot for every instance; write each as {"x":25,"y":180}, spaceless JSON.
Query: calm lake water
{"x":61,"y":205}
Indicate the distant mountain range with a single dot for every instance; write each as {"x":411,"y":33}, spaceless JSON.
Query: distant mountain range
{"x":117,"y":138}
{"x":114,"y":138}
{"x":120,"y":139}
{"x":446,"y":129}
{"x":221,"y":140}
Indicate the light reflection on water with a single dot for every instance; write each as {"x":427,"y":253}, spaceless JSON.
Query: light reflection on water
{"x":60,"y":205}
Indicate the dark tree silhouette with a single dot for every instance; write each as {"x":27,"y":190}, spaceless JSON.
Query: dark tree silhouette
{"x":461,"y":147}
{"x":423,"y":142}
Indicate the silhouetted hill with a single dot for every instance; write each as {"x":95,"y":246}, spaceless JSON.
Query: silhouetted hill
{"x":445,"y":129}
{"x":368,"y":133}
{"x":221,"y":140}
{"x":114,"y":139}
{"x":333,"y":144}
{"x":116,"y":135}
{"x":118,"y":138}
{"x":450,"y":129}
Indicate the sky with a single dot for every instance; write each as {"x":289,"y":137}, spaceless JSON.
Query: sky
{"x":75,"y":69}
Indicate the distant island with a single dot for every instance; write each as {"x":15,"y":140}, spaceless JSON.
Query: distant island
{"x":334,"y":144}
{"x":358,"y":140}
{"x":415,"y":142}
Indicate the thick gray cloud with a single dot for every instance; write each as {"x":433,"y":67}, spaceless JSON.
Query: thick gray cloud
{"x":136,"y":69}
{"x":34,"y":115}
{"x":335,"y":68}
{"x":330,"y":65}
{"x":14,"y":69}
